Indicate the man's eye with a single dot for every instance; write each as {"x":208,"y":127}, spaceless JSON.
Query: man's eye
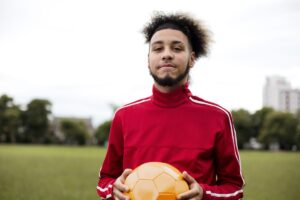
{"x":178,"y":49}
{"x":157,"y":49}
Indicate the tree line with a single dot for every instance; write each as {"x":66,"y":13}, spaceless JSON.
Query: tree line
{"x":269,"y":127}
{"x":33,"y":124}
{"x":29,"y":125}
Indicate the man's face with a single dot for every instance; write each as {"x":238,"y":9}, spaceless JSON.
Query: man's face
{"x":170,"y":57}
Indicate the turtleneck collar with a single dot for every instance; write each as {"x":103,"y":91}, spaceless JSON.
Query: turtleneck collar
{"x":171,"y":99}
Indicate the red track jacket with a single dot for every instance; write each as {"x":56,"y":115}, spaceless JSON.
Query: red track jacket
{"x":183,"y":130}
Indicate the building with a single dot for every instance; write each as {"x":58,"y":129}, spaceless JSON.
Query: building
{"x":272,"y":90}
{"x":279,"y":95}
{"x":289,"y":100}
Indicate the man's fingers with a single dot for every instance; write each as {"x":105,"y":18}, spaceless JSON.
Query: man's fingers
{"x":188,"y":194}
{"x":189,"y":179}
{"x":119,"y":184}
{"x":125,"y":173}
{"x":119,"y":195}
{"x":121,"y":187}
{"x":195,"y":192}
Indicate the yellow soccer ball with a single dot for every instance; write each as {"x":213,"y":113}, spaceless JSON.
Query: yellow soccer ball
{"x":155,"y":181}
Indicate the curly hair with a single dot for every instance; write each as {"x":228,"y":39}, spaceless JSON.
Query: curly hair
{"x":197,"y":34}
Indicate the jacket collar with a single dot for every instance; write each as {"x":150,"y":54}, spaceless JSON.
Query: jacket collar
{"x":172,"y":99}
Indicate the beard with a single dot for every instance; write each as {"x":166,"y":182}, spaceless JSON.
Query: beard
{"x":168,"y":81}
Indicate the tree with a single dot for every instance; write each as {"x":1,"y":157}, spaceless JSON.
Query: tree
{"x":244,"y":127}
{"x":258,"y":119}
{"x":75,"y":132}
{"x":297,"y":135}
{"x":297,"y":139}
{"x":102,"y":132}
{"x":281,"y":128}
{"x":36,"y":122}
{"x":10,"y":119}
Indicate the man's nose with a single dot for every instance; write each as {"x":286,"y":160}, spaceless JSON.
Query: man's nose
{"x":167,"y":54}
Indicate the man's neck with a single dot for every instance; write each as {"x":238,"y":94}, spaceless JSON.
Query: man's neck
{"x":168,"y":89}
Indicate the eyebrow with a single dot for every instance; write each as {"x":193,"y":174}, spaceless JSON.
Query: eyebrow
{"x":161,"y":42}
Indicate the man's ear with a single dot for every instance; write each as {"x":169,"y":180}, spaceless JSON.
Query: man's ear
{"x":192,"y":59}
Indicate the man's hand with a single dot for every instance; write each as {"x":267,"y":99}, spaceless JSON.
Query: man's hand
{"x":119,"y":187}
{"x":195,"y":192}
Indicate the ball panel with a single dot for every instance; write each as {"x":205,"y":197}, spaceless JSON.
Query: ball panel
{"x":165,"y":183}
{"x":175,"y":173}
{"x":181,"y":186}
{"x":163,"y":196}
{"x":131,"y":180}
{"x":149,"y":170}
{"x":144,"y":190}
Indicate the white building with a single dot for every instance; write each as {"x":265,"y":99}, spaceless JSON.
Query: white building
{"x":279,"y":95}
{"x":272,"y":89}
{"x":290,"y":100}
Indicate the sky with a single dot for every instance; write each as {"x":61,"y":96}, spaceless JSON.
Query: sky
{"x":84,"y":56}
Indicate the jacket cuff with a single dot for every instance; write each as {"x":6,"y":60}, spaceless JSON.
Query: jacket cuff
{"x":107,"y":192}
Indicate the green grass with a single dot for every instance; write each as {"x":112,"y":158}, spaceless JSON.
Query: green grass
{"x":57,"y":172}
{"x":271,"y":175}
{"x":49,"y":172}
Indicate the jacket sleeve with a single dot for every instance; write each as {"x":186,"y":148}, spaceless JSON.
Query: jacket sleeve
{"x":112,"y":166}
{"x":230,"y":183}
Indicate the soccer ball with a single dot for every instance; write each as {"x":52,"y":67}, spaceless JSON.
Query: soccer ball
{"x":155,"y":181}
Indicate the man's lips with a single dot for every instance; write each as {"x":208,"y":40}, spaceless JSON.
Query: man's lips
{"x":166,"y":66}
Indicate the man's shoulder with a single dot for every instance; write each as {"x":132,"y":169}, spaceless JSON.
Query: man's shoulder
{"x":208,"y":105}
{"x":133,"y":105}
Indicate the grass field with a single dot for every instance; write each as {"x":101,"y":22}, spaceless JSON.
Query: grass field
{"x":63,"y":173}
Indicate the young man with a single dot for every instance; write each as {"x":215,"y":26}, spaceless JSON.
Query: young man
{"x":172,"y":125}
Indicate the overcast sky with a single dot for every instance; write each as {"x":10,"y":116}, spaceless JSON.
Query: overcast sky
{"x":84,"y":55}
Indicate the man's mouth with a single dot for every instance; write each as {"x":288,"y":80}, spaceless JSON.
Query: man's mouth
{"x":166,"y":66}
